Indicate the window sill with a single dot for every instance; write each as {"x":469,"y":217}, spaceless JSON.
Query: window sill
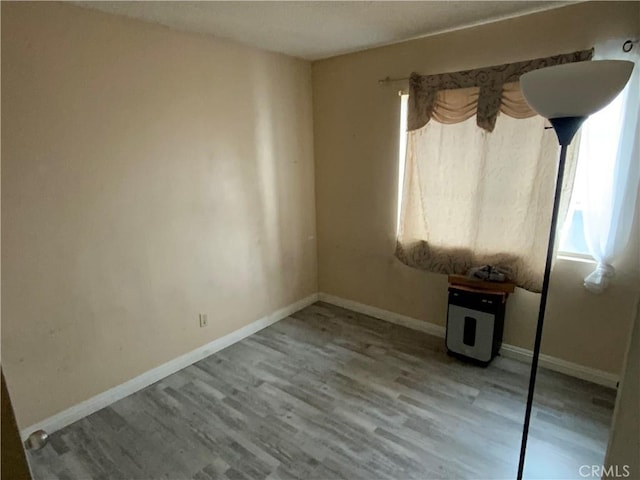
{"x":576,"y":257}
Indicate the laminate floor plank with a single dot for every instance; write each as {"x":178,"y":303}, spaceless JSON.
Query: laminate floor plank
{"x":328,"y":393}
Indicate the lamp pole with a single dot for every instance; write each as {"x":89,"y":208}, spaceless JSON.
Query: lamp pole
{"x":565,"y":128}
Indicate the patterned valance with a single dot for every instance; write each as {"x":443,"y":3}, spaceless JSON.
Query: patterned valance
{"x":487,"y":91}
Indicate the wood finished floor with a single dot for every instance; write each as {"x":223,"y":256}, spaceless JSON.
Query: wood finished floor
{"x":328,"y":393}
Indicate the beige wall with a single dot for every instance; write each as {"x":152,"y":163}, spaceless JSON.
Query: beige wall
{"x":148,"y":176}
{"x":356,"y":127}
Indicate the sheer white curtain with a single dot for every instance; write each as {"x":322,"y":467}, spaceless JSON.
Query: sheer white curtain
{"x":610,"y":155}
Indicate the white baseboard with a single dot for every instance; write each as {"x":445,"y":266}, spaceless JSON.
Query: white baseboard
{"x":104,"y":399}
{"x":392,"y":317}
{"x":509,"y":351}
{"x":562,"y":366}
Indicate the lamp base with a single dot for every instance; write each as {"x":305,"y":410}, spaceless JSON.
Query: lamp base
{"x":566,"y":128}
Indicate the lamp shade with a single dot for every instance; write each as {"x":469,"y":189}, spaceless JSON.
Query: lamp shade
{"x":575,"y":89}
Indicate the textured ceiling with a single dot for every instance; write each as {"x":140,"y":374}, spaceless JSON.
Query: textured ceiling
{"x":318,"y":29}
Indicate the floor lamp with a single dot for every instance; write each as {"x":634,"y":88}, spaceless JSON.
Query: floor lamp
{"x":566,"y":95}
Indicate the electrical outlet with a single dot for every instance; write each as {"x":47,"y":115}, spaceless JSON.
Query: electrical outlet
{"x":204,"y":321}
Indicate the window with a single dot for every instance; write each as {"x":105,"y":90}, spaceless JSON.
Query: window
{"x":595,"y":163}
{"x":402,"y":153}
{"x":477,"y":177}
{"x":477,"y":185}
{"x":572,"y":236}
